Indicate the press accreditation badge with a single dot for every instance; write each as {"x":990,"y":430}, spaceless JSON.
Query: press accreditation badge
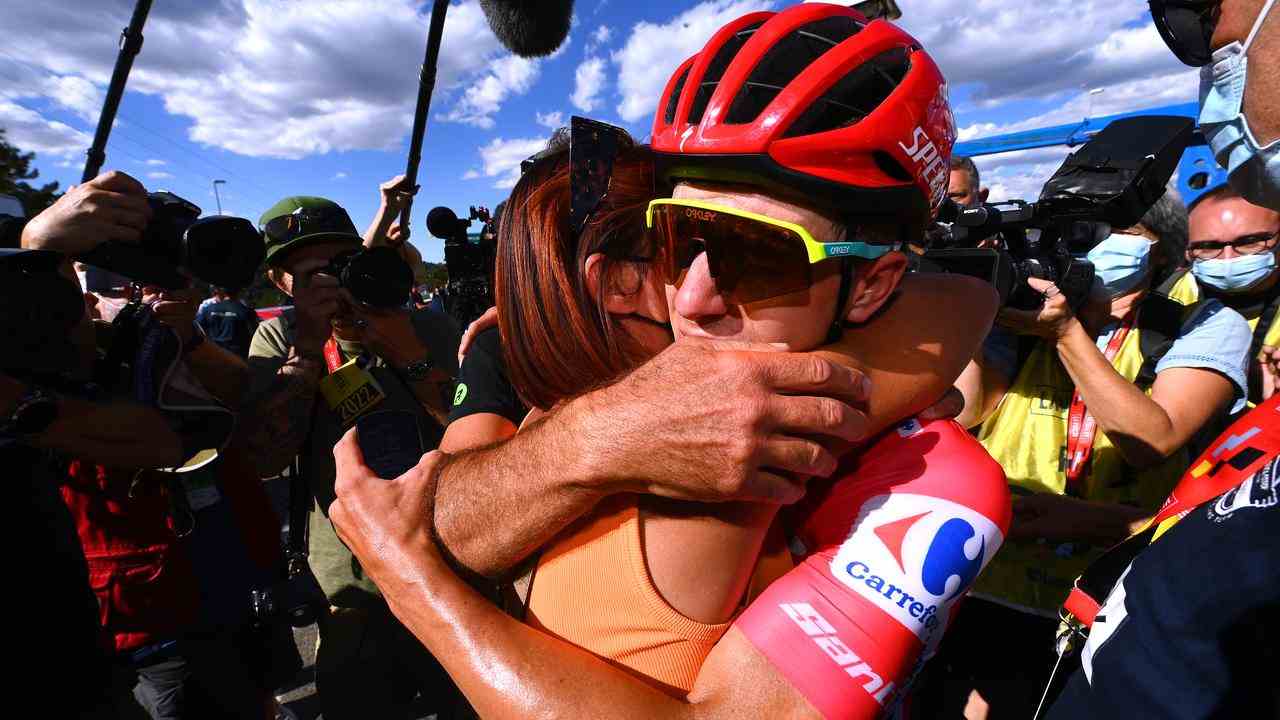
{"x":350,"y":391}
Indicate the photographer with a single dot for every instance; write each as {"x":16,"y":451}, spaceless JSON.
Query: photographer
{"x":1090,"y":430}
{"x":317,"y":368}
{"x":99,"y":446}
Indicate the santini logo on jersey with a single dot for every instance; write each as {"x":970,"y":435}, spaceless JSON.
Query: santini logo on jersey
{"x":913,"y":555}
{"x":824,"y":636}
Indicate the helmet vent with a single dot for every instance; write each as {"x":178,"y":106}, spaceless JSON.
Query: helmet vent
{"x":891,"y":167}
{"x":785,"y":61}
{"x":716,"y":69}
{"x":856,"y":95}
{"x":675,"y":95}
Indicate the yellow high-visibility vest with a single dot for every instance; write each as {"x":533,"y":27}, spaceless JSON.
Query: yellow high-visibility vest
{"x":1027,"y":435}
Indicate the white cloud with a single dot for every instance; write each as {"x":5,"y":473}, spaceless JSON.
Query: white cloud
{"x":32,"y":132}
{"x":550,"y":120}
{"x":653,"y":51}
{"x":509,"y":75}
{"x":599,"y":39}
{"x":160,"y":175}
{"x":589,"y":82}
{"x":471,"y":174}
{"x":339,"y":175}
{"x":265,"y":78}
{"x":77,"y":94}
{"x":156,"y":163}
{"x":501,"y":158}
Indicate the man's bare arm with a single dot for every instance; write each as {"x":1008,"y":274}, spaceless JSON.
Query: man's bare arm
{"x":737,"y":410}
{"x":276,"y":420}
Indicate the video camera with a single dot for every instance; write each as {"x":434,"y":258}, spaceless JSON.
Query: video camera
{"x":470,"y":265}
{"x":1110,"y":182}
{"x":179,"y":246}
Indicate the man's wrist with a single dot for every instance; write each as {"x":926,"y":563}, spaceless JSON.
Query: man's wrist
{"x":577,"y":426}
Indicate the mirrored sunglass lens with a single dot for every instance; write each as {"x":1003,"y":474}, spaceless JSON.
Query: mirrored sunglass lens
{"x":769,"y":261}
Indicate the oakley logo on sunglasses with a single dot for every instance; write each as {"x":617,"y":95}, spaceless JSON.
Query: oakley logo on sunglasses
{"x":696,"y":214}
{"x":929,"y":162}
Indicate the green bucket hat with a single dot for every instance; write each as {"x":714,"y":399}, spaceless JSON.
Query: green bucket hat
{"x":299,"y":221}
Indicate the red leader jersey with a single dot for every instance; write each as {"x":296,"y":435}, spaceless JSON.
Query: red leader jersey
{"x":890,"y":546}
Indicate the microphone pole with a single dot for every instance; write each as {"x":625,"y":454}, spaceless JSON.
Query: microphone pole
{"x":426,"y":85}
{"x":130,"y":46}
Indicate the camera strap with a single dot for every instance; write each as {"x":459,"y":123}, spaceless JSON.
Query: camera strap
{"x":1082,"y":428}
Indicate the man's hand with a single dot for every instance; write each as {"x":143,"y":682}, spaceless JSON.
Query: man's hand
{"x":175,"y":308}
{"x":316,"y":300}
{"x":112,"y":206}
{"x":948,"y":408}
{"x":387,"y":333}
{"x":716,"y":421}
{"x":1268,"y":362}
{"x":484,"y":322}
{"x":387,"y":524}
{"x":396,"y":193}
{"x":1058,"y":518}
{"x":1051,"y":321}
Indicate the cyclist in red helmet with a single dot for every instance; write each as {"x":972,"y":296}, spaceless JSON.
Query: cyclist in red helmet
{"x":756,"y":249}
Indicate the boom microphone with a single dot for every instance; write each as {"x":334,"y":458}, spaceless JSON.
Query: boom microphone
{"x":529,"y":28}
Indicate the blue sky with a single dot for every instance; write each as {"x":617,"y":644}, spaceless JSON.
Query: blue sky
{"x":288,"y":97}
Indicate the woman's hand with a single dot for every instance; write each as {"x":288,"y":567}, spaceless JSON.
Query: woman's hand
{"x":1051,"y":320}
{"x":387,"y":524}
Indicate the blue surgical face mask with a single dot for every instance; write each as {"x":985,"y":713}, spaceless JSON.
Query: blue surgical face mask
{"x":1254,"y":171}
{"x":1121,"y":262}
{"x":1237,"y":274}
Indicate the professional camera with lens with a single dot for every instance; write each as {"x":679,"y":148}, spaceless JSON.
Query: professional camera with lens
{"x":377,"y":277}
{"x":179,"y":246}
{"x":470,"y":264}
{"x":1110,"y":182}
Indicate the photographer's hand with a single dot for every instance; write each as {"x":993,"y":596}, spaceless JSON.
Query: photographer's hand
{"x":112,"y":206}
{"x":175,"y":308}
{"x":316,"y":300}
{"x":389,"y":334}
{"x":1053,"y":320}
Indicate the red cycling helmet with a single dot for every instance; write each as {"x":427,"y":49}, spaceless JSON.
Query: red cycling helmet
{"x":815,"y":102}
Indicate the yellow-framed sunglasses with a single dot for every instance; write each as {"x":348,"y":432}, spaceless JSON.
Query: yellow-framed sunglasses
{"x":751,"y":256}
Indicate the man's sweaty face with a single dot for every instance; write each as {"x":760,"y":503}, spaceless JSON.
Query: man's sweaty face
{"x":800,"y":319}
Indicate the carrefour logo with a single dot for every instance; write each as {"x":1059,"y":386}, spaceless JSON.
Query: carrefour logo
{"x":913,"y":556}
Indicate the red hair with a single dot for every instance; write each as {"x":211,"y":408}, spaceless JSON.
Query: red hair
{"x":557,"y":337}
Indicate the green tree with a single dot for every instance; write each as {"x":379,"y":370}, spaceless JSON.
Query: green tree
{"x":15,"y":170}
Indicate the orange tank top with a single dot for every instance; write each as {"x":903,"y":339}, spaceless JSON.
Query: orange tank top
{"x":592,"y":588}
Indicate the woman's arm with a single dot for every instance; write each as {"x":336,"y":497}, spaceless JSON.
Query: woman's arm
{"x":505,"y":668}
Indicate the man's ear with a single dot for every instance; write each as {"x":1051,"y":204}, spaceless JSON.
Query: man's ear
{"x":281,"y":280}
{"x":620,"y":291}
{"x":983,"y":193}
{"x":874,"y":284}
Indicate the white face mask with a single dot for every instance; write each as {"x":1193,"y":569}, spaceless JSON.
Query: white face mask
{"x":1254,"y":171}
{"x":1121,"y":262}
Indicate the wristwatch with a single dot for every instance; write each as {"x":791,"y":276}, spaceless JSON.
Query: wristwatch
{"x":35,"y":412}
{"x":418,"y":371}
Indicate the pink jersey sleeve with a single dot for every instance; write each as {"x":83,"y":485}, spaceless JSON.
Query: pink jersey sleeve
{"x":894,"y":543}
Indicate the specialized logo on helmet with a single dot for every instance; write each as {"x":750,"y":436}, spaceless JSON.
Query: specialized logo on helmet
{"x":929,"y":163}
{"x":913,"y":556}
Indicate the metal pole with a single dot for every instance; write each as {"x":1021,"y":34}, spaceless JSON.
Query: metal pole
{"x":130,"y":46}
{"x":426,"y":85}
{"x":216,"y":196}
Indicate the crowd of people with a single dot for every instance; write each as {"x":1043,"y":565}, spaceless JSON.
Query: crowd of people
{"x":721,"y":448}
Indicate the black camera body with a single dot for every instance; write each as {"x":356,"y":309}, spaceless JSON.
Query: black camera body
{"x":178,"y":246}
{"x":1110,"y":182}
{"x":39,"y":308}
{"x":377,"y":277}
{"x":297,"y":599}
{"x":470,"y":265}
